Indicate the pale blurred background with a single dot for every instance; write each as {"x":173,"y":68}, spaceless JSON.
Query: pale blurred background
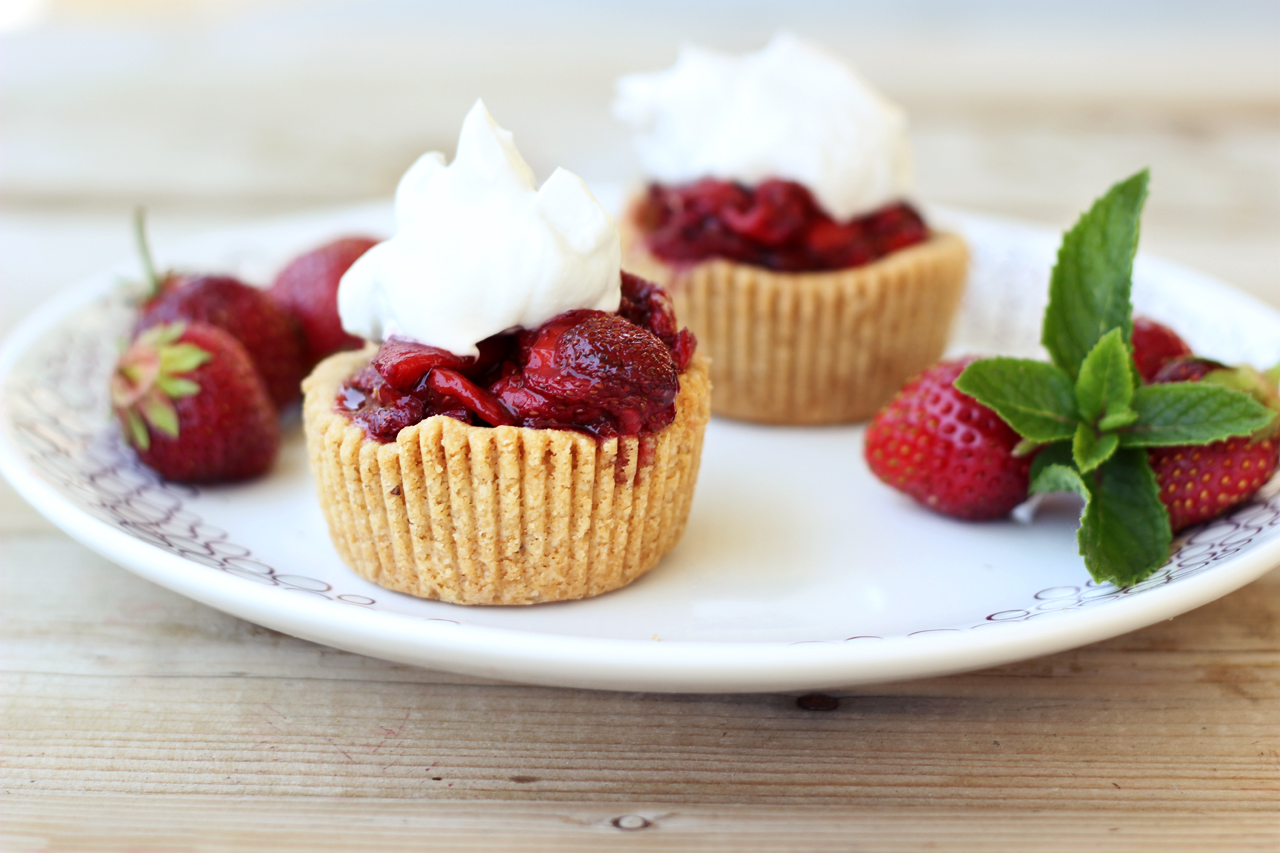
{"x":214,"y":112}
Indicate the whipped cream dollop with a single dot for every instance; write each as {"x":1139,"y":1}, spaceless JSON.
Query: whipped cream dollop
{"x":790,"y":111}
{"x":479,"y":249}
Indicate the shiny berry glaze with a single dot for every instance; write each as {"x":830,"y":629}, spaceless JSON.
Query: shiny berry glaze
{"x":777,"y":225}
{"x":591,"y":371}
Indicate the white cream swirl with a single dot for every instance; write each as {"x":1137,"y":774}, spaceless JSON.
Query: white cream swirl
{"x":479,"y":249}
{"x":790,"y":111}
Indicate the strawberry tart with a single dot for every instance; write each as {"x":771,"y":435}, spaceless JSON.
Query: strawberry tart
{"x":775,"y":215}
{"x":527,"y":423}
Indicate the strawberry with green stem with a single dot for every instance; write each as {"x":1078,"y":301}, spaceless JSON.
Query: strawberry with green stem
{"x":267,"y":332}
{"x":1087,"y":416}
{"x":192,"y":405}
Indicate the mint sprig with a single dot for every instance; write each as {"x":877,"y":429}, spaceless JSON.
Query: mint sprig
{"x":1089,"y":288}
{"x":1088,"y":415}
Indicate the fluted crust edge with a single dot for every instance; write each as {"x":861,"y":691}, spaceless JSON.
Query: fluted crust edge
{"x":817,"y":347}
{"x":501,"y":515}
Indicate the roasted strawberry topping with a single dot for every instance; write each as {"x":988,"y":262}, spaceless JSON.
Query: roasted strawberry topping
{"x":777,"y":225}
{"x":592,"y":371}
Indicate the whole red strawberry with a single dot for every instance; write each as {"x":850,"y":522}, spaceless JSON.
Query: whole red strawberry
{"x":947,"y":450}
{"x":1198,"y":483}
{"x":191,"y":403}
{"x":308,"y":289}
{"x":268,"y":334}
{"x":1154,"y":346}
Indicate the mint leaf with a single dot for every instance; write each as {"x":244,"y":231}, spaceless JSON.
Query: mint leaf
{"x":1104,"y":386}
{"x":1060,"y":478}
{"x":1192,"y":413}
{"x":1117,"y":420}
{"x":1035,"y":398}
{"x":1089,"y":288}
{"x":1054,"y":454}
{"x":1124,"y":529}
{"x":1089,"y":449}
{"x":1124,"y":532}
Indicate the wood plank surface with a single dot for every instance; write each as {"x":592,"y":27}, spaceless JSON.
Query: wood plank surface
{"x":124,"y":701}
{"x":132,"y":719}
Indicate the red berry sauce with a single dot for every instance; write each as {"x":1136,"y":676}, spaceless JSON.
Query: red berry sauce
{"x":592,"y":371}
{"x":777,"y":225}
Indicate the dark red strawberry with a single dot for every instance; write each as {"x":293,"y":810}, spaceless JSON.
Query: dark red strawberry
{"x":946,"y":449}
{"x":1198,"y":483}
{"x":1189,"y":368}
{"x":192,"y":405}
{"x":268,"y":334}
{"x":308,"y":289}
{"x":1154,"y":346}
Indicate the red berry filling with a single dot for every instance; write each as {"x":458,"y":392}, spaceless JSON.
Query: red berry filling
{"x":777,"y":225}
{"x":592,"y":371}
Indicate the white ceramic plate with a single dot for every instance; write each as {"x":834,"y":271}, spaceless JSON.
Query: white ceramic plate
{"x":798,"y":569}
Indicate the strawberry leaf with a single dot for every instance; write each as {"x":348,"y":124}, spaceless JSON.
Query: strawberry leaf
{"x":1124,"y":532}
{"x":138,"y":435}
{"x":1035,"y":398}
{"x":182,"y":358}
{"x":1192,"y":413}
{"x":1089,"y":288}
{"x":175,"y":386}
{"x":159,"y":412}
{"x":1104,"y":386}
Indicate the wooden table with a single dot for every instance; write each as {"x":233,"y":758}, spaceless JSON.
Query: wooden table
{"x":134,"y":719}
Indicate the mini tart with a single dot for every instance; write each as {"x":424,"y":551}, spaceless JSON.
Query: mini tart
{"x":501,"y":515}
{"x":815,"y":347}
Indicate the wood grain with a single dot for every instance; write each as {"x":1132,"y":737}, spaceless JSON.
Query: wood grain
{"x":290,"y":825}
{"x":123,"y":699}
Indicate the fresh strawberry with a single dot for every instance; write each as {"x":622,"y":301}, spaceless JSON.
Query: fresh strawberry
{"x":1189,"y":368}
{"x":947,"y":450}
{"x":308,"y":289}
{"x":1154,"y":346}
{"x":268,"y":334}
{"x":191,"y":403}
{"x":1200,"y":482}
